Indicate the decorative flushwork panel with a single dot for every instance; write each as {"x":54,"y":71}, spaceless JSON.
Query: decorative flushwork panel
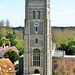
{"x":30,"y":59}
{"x":32,"y":42}
{"x":41,"y":44}
{"x":30,"y":15}
{"x":40,"y":28}
{"x":32,"y":28}
{"x":40,"y":41}
{"x":42,"y":16}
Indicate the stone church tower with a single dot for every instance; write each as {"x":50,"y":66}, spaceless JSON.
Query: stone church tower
{"x":37,"y":38}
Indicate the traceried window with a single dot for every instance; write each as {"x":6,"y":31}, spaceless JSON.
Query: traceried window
{"x":34,"y":15}
{"x":36,"y":57}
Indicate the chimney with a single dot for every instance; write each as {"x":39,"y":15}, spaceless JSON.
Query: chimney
{"x":4,"y":46}
{"x":9,"y":45}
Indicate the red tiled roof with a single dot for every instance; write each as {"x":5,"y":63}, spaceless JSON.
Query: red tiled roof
{"x":3,"y":51}
{"x":6,"y":66}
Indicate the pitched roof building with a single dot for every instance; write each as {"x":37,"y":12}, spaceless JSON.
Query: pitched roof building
{"x":4,"y":49}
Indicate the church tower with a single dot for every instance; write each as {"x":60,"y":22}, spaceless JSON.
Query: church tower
{"x":37,"y":38}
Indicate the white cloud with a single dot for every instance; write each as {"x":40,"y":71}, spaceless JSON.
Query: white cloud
{"x":2,"y":6}
{"x":53,"y":6}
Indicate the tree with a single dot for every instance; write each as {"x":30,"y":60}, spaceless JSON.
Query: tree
{"x":0,"y":43}
{"x":2,"y":23}
{"x":65,"y":66}
{"x":69,"y":48}
{"x":21,"y":33}
{"x":7,"y":23}
{"x":20,"y":44}
{"x":21,"y":52}
{"x":11,"y":37}
{"x":63,"y":47}
{"x":74,"y":70}
{"x":1,"y":35}
{"x":3,"y":31}
{"x":12,"y":55}
{"x":70,"y":39}
{"x":18,"y":34}
{"x":5,"y":41}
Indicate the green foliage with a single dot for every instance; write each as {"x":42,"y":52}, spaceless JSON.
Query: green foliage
{"x":73,"y":70}
{"x":18,"y":34}
{"x":9,"y":30}
{"x":21,"y":52}
{"x":0,"y":43}
{"x":20,"y":44}
{"x":63,"y":47}
{"x":1,"y":35}
{"x":2,"y":32}
{"x":7,"y":36}
{"x":12,"y":55}
{"x":5,"y":41}
{"x":13,"y":42}
{"x":61,"y":35}
{"x":70,"y":39}
{"x":69,"y":48}
{"x":11,"y":37}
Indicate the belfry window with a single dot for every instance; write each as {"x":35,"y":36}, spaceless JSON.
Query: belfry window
{"x":34,"y":15}
{"x":38,"y":15}
{"x":36,"y":57}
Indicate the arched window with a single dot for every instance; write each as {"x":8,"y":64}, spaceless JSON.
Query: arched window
{"x":34,"y":15}
{"x":36,"y":57}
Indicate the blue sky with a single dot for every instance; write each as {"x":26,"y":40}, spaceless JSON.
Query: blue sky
{"x":62,"y":12}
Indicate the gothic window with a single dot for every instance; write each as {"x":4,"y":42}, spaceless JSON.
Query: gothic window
{"x":36,"y":57}
{"x":34,"y":15}
{"x":38,"y":16}
{"x":36,"y":40}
